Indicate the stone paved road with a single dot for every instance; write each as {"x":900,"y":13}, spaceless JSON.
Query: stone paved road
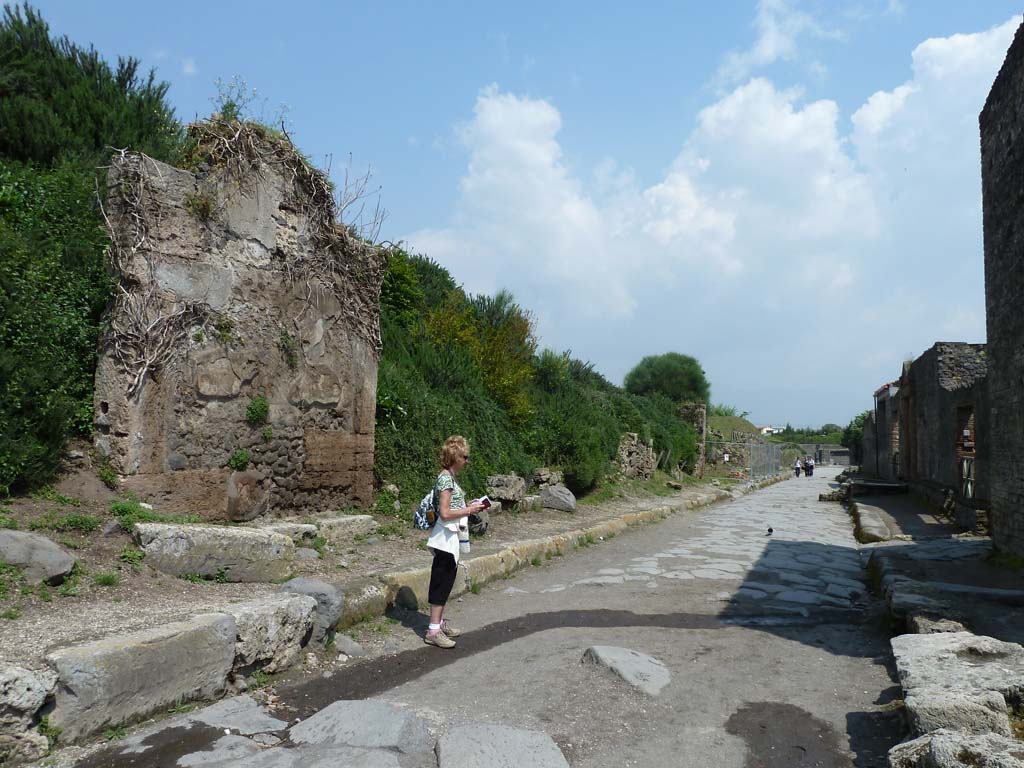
{"x":775,"y":654}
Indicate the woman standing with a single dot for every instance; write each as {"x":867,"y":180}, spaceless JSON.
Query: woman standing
{"x":451,"y":507}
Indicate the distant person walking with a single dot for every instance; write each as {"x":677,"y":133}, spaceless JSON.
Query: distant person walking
{"x":809,"y":467}
{"x":796,"y":465}
{"x":451,"y":507}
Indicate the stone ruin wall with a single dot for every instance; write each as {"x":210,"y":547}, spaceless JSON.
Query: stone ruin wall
{"x":1002,"y":174}
{"x":220,"y":248}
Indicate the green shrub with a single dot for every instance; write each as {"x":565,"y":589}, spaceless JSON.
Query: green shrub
{"x":129,"y":511}
{"x":257,"y":410}
{"x":239,"y":460}
{"x":65,"y":523}
{"x":107,"y":476}
{"x":132,"y":555}
{"x":6,"y":521}
{"x":53,"y":280}
{"x":106,"y":579}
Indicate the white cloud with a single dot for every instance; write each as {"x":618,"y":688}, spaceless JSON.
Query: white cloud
{"x":780,"y":27}
{"x":188,"y":66}
{"x":778,"y":230}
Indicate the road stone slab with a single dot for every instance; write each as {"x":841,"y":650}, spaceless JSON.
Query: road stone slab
{"x":643,"y":672}
{"x":369,"y":724}
{"x":479,"y":745}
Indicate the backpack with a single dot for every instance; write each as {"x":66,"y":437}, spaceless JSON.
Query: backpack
{"x":425,"y":515}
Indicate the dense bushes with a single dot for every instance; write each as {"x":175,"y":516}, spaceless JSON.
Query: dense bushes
{"x":453,"y":363}
{"x":61,"y":109}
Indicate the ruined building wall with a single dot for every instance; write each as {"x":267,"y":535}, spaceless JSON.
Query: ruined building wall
{"x":226,"y":270}
{"x":944,"y":428}
{"x":943,"y":387}
{"x":1002,"y":171}
{"x":869,"y":447}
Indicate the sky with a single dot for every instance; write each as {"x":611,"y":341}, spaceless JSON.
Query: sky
{"x":788,"y":191}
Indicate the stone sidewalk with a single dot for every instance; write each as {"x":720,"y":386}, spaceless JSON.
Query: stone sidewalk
{"x":956,"y":607}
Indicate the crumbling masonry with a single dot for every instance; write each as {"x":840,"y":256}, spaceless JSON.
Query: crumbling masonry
{"x":236,"y":286}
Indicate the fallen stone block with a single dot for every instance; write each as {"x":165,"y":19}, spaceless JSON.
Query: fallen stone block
{"x":557,"y":497}
{"x":22,"y":694}
{"x":272,"y":631}
{"x":479,"y":745}
{"x":41,"y":560}
{"x":344,"y":528}
{"x":956,"y":749}
{"x":368,"y":724}
{"x":125,"y":678}
{"x":330,"y":603}
{"x":211,"y":551}
{"x":643,"y":672}
{"x":508,"y":489}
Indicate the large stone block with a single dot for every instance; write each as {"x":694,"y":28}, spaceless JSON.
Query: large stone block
{"x":272,"y":631}
{"x":958,"y":679}
{"x":948,"y":748}
{"x":41,"y":560}
{"x":125,"y":678}
{"x":557,"y":497}
{"x":235,"y":554}
{"x":344,"y":528}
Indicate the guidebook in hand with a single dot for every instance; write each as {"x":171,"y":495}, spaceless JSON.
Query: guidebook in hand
{"x":483,"y":500}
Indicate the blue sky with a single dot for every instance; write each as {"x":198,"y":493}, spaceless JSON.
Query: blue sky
{"x":789,"y":191}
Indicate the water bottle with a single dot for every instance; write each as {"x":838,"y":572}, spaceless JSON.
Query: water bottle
{"x":464,"y":538}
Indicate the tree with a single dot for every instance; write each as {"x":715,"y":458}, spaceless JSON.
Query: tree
{"x":678,"y":377}
{"x":59,"y":100}
{"x":854,"y":434}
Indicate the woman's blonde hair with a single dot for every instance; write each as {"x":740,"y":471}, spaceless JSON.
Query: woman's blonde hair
{"x":454,"y":448}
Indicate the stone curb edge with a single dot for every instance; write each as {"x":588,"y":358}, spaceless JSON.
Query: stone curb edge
{"x":408,"y":589}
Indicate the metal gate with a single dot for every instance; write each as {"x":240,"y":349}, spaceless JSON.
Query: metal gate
{"x":755,"y":460}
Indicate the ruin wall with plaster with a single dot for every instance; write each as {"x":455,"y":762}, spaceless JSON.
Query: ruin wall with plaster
{"x":1002,"y":172}
{"x":228,"y":270}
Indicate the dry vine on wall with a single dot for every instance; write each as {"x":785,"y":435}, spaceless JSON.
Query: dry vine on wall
{"x":146,"y":330}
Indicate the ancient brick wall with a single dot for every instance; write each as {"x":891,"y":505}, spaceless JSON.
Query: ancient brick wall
{"x":235,"y":259}
{"x":1002,"y":171}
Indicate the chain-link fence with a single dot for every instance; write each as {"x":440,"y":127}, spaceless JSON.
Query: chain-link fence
{"x":745,"y":459}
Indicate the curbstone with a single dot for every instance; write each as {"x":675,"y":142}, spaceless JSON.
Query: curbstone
{"x":124,"y":678}
{"x":272,"y":631}
{"x":330,"y":603}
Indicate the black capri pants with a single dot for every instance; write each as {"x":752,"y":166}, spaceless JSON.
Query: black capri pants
{"x":442,"y":577}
